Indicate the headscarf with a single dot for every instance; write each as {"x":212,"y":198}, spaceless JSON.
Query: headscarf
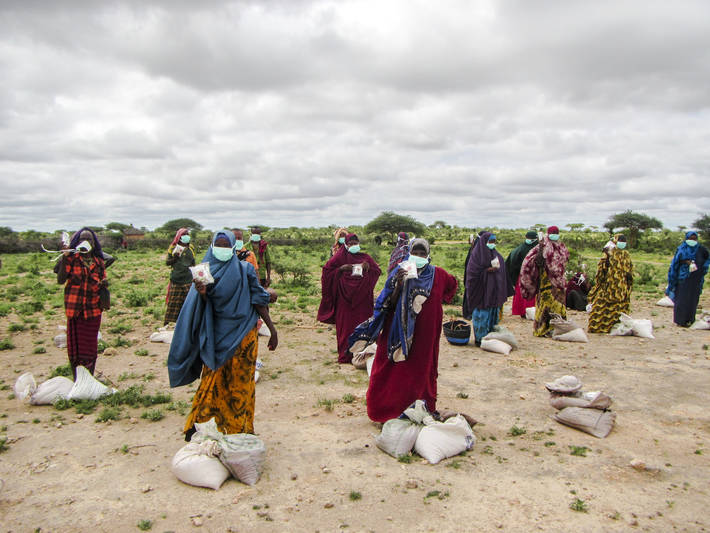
{"x":553,"y":229}
{"x":406,"y":309}
{"x":555,"y":256}
{"x":96,"y":250}
{"x":516,"y":257}
{"x":176,"y":241}
{"x":400,"y":251}
{"x":340,"y":232}
{"x":262,"y":245}
{"x":209,"y":331}
{"x":485,"y":289}
{"x":678,"y":270}
{"x":351,"y":236}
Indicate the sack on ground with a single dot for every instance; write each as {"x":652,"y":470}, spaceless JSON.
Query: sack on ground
{"x":502,"y":333}
{"x":439,"y":440}
{"x":640,"y":327}
{"x":530,"y":313}
{"x":575,"y":335}
{"x":702,"y":323}
{"x":417,"y":412}
{"x":587,"y":400}
{"x":561,"y":325}
{"x":197,"y":464}
{"x":87,"y":387}
{"x":243,"y":454}
{"x":57,"y":388}
{"x":621,"y":330}
{"x":494,"y":345}
{"x":60,"y":341}
{"x":25,"y":386}
{"x":592,"y":421}
{"x":397,"y":437}
{"x":665,"y":302}
{"x":162,"y":336}
{"x":360,"y":358}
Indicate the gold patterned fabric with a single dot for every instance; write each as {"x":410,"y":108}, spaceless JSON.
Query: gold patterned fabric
{"x":546,"y":305}
{"x":611,"y":294}
{"x":228,"y":393}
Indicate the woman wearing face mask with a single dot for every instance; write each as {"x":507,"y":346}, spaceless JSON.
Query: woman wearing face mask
{"x":486,"y":285}
{"x":512,"y":267}
{"x":686,"y":276}
{"x":611,"y":294}
{"x":83,"y":272}
{"x":181,"y":256}
{"x":347,"y":282}
{"x":407,"y":327}
{"x":216,"y":334}
{"x":260,"y":248}
{"x":542,"y":277}
{"x":339,"y":243}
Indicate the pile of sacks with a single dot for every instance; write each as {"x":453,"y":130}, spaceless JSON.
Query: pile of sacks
{"x":416,"y":429}
{"x":86,"y":387}
{"x":500,"y":340}
{"x":211,"y":457}
{"x":586,"y":411}
{"x":567,"y":330}
{"x":633,"y":326}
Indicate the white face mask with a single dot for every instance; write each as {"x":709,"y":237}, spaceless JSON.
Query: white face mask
{"x":83,"y":247}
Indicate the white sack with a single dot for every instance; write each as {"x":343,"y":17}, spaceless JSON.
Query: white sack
{"x":243,"y":454}
{"x":702,"y":323}
{"x":592,"y":421}
{"x":576,"y":335}
{"x":87,"y":387}
{"x":368,"y":365}
{"x":397,"y":437}
{"x":360,"y":358}
{"x":162,"y":336}
{"x":621,"y":330}
{"x":640,"y":327}
{"x":562,"y":325}
{"x":60,"y":341}
{"x":264,"y":330}
{"x":439,"y":440}
{"x":52,"y":390}
{"x":665,"y":302}
{"x":502,"y":333}
{"x":530,"y":313}
{"x":25,"y":386}
{"x":197,"y":464}
{"x":494,"y":345}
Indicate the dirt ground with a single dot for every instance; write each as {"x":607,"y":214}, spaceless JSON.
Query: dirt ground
{"x":66,"y":472}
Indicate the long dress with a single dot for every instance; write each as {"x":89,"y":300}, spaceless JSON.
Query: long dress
{"x":687,"y":286}
{"x":512,"y":267}
{"x":396,"y":385}
{"x":347,"y":300}
{"x":611,"y":294}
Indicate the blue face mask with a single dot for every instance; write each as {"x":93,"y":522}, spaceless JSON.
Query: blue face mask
{"x":185,"y":239}
{"x":554,"y":236}
{"x":420,"y":262}
{"x":354,"y":248}
{"x":255,"y":238}
{"x":238,"y":245}
{"x":691,"y":242}
{"x":528,"y":241}
{"x":341,"y":240}
{"x":222,"y":254}
{"x":491,"y":245}
{"x":621,"y":245}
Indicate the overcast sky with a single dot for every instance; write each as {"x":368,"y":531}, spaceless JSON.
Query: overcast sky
{"x":291,"y":112}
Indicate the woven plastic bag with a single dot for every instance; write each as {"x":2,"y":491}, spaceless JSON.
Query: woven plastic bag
{"x":57,"y":388}
{"x":502,"y":333}
{"x":702,"y":323}
{"x":25,"y":386}
{"x":592,"y":421}
{"x":496,"y":346}
{"x":440,"y":440}
{"x":575,"y":335}
{"x":665,"y":302}
{"x":87,"y":387}
{"x":640,"y":327}
{"x":398,"y":436}
{"x":197,"y":464}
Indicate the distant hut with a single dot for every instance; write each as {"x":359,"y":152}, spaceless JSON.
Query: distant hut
{"x":132,"y":234}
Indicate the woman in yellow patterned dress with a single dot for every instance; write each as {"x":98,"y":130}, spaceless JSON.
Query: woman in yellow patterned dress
{"x":216,"y":335}
{"x":611,"y":294}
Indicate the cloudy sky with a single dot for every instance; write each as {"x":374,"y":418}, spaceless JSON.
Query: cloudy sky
{"x":303,"y":113}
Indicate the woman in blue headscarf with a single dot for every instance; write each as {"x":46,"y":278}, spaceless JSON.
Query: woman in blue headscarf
{"x":686,"y":276}
{"x":216,"y":334}
{"x":407,"y":328}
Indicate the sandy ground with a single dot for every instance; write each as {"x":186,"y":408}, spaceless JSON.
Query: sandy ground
{"x":66,"y":472}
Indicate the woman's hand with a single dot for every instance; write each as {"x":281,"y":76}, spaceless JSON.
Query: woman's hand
{"x":200,"y":287}
{"x":273,"y":340}
{"x":272,"y":295}
{"x":365,"y":267}
{"x":491,"y":269}
{"x":346,"y":268}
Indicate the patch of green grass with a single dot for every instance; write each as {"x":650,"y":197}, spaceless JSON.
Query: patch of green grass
{"x":698,"y":452}
{"x":62,"y":370}
{"x":40,"y":349}
{"x":455,"y":464}
{"x":550,"y":443}
{"x":461,"y":395}
{"x":124,"y":449}
{"x":348,"y":398}
{"x":102,"y":345}
{"x":149,"y":377}
{"x":6,"y":344}
{"x":142,"y":352}
{"x":120,"y":328}
{"x":3,"y":444}
{"x":136,"y":299}
{"x":153,"y":415}
{"x":145,"y":525}
{"x":109,"y":413}
{"x":120,"y":342}
{"x":579,"y":505}
{"x":85,"y":407}
{"x":16,"y":327}
{"x":180,"y":406}
{"x":326,"y":403}
{"x":355,"y":496}
{"x":579,"y":451}
{"x":516,"y":431}
{"x":406,"y":459}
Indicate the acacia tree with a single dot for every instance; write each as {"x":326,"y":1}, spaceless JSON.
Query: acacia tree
{"x":633,"y":223}
{"x":389,"y":222}
{"x":703,"y":225}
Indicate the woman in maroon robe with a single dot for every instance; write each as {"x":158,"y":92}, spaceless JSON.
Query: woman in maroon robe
{"x":347,"y":298}
{"x":407,"y":327}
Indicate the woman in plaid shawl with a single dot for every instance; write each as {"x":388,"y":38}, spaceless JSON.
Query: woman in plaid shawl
{"x":83,"y":273}
{"x":181,"y":256}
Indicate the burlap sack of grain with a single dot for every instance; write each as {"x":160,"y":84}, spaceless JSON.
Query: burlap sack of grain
{"x":592,"y":421}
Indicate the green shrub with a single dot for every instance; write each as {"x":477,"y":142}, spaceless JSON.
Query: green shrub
{"x":153,"y":415}
{"x":136,"y":299}
{"x":109,"y":413}
{"x":62,"y":370}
